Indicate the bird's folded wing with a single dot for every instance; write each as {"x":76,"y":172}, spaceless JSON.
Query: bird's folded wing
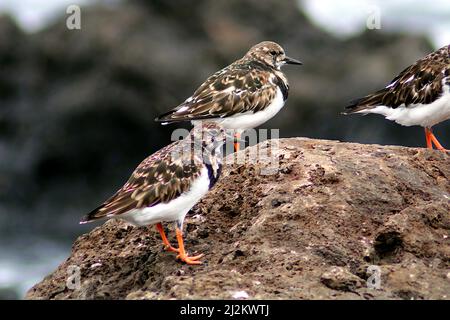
{"x":153,"y":182}
{"x":420,"y":83}
{"x":227,"y":93}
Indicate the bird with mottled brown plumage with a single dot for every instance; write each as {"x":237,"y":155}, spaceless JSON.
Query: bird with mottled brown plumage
{"x":167,"y":184}
{"x":419,"y":95}
{"x":243,"y":95}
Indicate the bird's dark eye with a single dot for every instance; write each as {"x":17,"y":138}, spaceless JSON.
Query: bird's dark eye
{"x":273,"y":52}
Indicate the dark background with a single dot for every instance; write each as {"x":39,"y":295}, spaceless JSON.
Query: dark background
{"x":77,"y":107}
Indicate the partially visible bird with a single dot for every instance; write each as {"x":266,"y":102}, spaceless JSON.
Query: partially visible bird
{"x":242,"y":95}
{"x":167,"y":184}
{"x":419,"y":95}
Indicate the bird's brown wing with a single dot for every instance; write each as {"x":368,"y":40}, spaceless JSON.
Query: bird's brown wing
{"x":239,"y":88}
{"x":420,"y":83}
{"x":158,"y":179}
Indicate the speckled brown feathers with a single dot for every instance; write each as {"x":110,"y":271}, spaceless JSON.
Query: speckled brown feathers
{"x":238,"y":89}
{"x":420,"y":83}
{"x":163,"y":176}
{"x":249,"y":84}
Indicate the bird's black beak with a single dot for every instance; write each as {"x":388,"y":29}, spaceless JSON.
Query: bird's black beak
{"x":288,"y":60}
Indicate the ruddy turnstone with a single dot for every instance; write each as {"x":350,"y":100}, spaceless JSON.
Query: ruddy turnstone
{"x":167,"y":184}
{"x":419,"y":95}
{"x":241,"y":96}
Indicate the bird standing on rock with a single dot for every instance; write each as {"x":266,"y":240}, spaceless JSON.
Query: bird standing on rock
{"x":419,"y":95}
{"x":167,"y":184}
{"x":241,"y":96}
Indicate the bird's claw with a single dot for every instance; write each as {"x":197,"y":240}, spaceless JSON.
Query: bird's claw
{"x":190,"y":260}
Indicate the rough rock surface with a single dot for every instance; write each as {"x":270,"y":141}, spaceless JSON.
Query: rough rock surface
{"x":309,"y":231}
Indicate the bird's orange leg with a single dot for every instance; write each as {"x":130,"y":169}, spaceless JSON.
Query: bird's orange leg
{"x":436,"y":143}
{"x":182,"y":255}
{"x":166,"y":242}
{"x":428,"y":138}
{"x":431,"y":139}
{"x":237,"y":137}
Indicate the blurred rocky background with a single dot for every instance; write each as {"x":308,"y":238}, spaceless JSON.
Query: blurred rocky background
{"x":77,"y":106}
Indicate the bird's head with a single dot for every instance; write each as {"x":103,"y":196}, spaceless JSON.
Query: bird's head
{"x":209,"y":135}
{"x":270,"y":54}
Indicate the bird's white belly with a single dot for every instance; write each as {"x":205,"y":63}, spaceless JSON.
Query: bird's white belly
{"x":251,"y":120}
{"x":423,"y":115}
{"x":173,"y":210}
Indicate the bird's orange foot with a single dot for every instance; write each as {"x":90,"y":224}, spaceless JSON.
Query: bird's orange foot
{"x":190,"y":260}
{"x":442,"y":149}
{"x":182,"y":254}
